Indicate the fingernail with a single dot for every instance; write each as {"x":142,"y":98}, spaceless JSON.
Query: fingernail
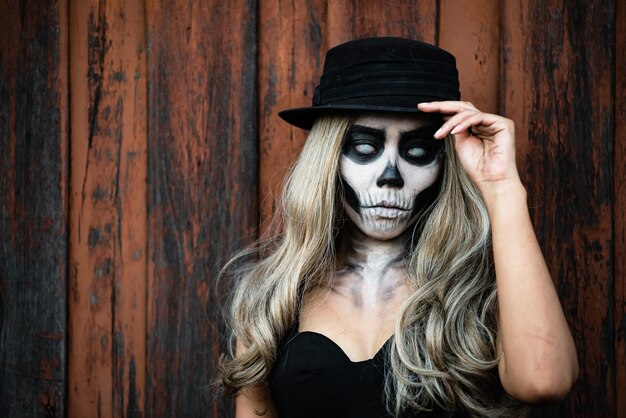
{"x":423,"y":103}
{"x":437,"y":133}
{"x":453,"y":132}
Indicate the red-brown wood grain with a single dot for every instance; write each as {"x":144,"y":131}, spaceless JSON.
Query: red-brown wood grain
{"x":33,"y":208}
{"x":556,"y":84}
{"x":202,"y":187}
{"x":292,"y":43}
{"x":470,"y":30}
{"x":352,"y":19}
{"x":619,"y":211}
{"x":108,"y":218}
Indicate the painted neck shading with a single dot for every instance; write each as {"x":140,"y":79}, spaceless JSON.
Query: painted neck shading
{"x":369,"y":270}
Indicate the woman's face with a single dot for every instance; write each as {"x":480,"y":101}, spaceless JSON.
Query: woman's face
{"x":387,"y":164}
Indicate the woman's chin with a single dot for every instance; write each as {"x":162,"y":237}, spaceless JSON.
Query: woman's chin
{"x":381,"y":233}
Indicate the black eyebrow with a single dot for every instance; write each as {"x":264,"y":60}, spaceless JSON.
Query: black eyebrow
{"x":413,"y":132}
{"x":428,"y":130}
{"x":368,"y":130}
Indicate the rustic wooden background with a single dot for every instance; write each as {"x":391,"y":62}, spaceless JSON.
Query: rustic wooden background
{"x":139,"y":147}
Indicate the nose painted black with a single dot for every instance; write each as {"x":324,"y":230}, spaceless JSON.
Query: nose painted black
{"x":390,"y":177}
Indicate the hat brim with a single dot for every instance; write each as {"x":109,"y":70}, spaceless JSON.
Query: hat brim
{"x":304,"y":117}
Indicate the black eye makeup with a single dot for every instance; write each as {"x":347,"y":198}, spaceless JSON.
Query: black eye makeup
{"x":363,"y":144}
{"x":419,"y":147}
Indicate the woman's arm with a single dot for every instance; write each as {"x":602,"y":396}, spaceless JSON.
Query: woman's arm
{"x":254,"y":401}
{"x":538,"y":358}
{"x":538,"y":362}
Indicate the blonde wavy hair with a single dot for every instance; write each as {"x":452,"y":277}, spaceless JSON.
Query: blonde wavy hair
{"x":444,"y":352}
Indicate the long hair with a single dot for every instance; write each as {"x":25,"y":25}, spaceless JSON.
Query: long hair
{"x":444,"y":348}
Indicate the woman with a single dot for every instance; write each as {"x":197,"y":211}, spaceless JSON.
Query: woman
{"x":408,"y":280}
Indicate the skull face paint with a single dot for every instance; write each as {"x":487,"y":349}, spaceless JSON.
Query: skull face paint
{"x":388,"y":164}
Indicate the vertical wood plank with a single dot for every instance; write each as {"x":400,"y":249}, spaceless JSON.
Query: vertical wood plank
{"x":292,"y":44}
{"x":556,"y":85}
{"x":619,"y":211}
{"x":202,"y":193}
{"x":33,"y":208}
{"x":108,"y":209}
{"x":470,"y":30}
{"x":352,"y":19}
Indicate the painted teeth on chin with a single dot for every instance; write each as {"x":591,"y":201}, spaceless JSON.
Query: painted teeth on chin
{"x":388,"y":223}
{"x":392,"y":197}
{"x":383,"y":226}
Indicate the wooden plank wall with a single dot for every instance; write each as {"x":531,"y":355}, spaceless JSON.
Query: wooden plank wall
{"x":560,"y":91}
{"x":34,"y":163}
{"x":140,"y":147}
{"x":202,"y":187}
{"x":619,"y":209}
{"x":107,"y":280}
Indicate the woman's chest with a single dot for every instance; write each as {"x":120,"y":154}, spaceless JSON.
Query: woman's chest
{"x":313,"y":377}
{"x":358,"y":319}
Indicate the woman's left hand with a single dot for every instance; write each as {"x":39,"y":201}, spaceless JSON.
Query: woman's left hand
{"x":485,"y":143}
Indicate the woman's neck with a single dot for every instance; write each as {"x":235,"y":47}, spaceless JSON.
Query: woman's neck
{"x":370,"y":270}
{"x":358,"y":249}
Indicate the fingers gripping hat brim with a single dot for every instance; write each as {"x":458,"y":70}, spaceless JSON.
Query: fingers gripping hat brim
{"x":379,"y":75}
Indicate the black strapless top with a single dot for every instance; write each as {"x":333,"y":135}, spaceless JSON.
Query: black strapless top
{"x":314,"y":378}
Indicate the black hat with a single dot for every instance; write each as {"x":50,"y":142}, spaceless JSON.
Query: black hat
{"x":380,"y":74}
